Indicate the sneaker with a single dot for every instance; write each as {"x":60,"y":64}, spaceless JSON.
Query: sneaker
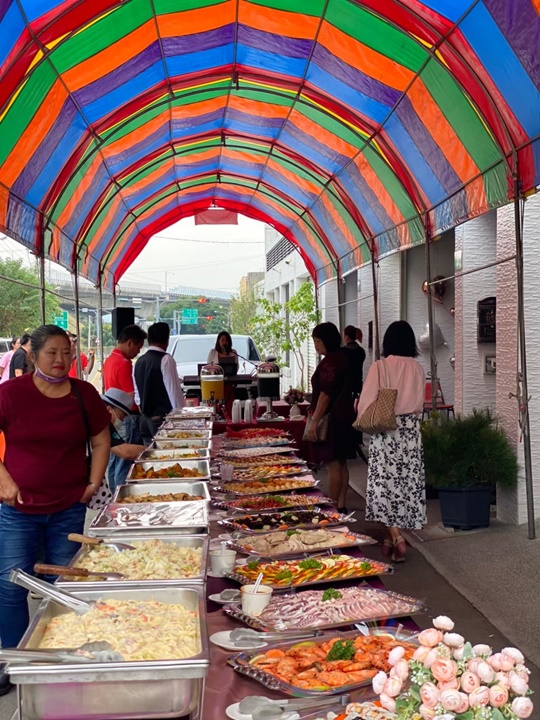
{"x":5,"y":683}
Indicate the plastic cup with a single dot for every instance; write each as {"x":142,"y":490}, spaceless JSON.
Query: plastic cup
{"x":222,"y":561}
{"x":254,"y":603}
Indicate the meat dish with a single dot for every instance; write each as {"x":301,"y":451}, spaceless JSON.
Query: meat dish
{"x":265,"y":471}
{"x":266,"y":460}
{"x":274,"y":502}
{"x":171,"y":471}
{"x":265,"y":522}
{"x":165,"y":497}
{"x":256,"y":487}
{"x":255,"y":433}
{"x":297,"y":541}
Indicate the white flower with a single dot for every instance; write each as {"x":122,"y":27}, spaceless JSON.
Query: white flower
{"x":395,"y":655}
{"x":378,"y":682}
{"x":453,"y":640}
{"x":514,"y":653}
{"x":446,"y":716}
{"x":459,"y":652}
{"x":482,"y":650}
{"x":443,"y":623}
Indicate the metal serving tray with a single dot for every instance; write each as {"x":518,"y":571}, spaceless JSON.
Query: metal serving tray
{"x":239,"y":464}
{"x":202,"y":467}
{"x":191,"y":433}
{"x":288,"y":471}
{"x":190,"y":541}
{"x":381,"y":569}
{"x":357,"y":542}
{"x":186,"y":443}
{"x":187,"y":423}
{"x":157,"y":456}
{"x":158,"y":488}
{"x":232,"y":444}
{"x":242,"y":453}
{"x":330,"y":518}
{"x":230,"y":506}
{"x":313,"y":483}
{"x":185,"y":518}
{"x":414,"y":606}
{"x":191,"y":412}
{"x":127,"y":690}
{"x":241,"y":663}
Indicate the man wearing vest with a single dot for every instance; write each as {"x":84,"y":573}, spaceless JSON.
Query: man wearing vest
{"x":157,"y":386}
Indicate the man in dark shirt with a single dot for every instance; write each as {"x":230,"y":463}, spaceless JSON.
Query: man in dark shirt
{"x":356,"y":356}
{"x":19,"y":362}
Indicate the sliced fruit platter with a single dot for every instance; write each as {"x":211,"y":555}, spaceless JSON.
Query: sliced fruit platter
{"x":329,"y":665}
{"x":309,"y":571}
{"x":268,"y":471}
{"x":322,"y":609}
{"x":262,"y":461}
{"x":292,"y":542}
{"x":268,"y":485}
{"x":255,"y":452}
{"x":260,"y":503}
{"x":267,"y":522}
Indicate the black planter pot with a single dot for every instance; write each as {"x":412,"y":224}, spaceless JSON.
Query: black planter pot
{"x":465,"y":508}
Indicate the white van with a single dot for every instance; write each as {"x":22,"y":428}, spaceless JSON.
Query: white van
{"x":189,"y":351}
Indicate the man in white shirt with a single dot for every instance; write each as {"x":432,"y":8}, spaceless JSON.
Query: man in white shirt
{"x":157,"y":385}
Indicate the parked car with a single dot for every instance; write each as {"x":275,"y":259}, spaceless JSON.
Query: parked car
{"x":189,"y":351}
{"x":5,"y":346}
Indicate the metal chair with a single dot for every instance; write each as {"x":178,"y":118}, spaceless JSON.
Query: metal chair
{"x":441,"y":405}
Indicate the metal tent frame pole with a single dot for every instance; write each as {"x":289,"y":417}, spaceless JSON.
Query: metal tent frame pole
{"x":340,"y":297}
{"x":522,"y":378}
{"x":42,"y":296}
{"x":431,"y":321}
{"x":77,"y":321}
{"x":100,"y":327}
{"x":376,"y":329}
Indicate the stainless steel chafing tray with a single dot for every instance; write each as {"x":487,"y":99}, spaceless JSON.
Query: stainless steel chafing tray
{"x":157,"y":487}
{"x":110,"y":691}
{"x":179,"y":443}
{"x":201,"y":466}
{"x":195,"y":433}
{"x":186,"y":423}
{"x":178,"y":454}
{"x":185,"y":518}
{"x":191,"y":541}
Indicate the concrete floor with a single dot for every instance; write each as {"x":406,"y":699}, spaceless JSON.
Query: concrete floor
{"x":417,"y":577}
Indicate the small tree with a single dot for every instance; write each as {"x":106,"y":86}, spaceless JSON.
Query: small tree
{"x":20,"y":306}
{"x":285,"y":328}
{"x":243,"y":310}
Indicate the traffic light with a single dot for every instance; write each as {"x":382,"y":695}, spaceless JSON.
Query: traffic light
{"x":203,"y":300}
{"x":209,"y":317}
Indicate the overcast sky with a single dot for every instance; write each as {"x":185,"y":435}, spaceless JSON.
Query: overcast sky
{"x":213,"y":257}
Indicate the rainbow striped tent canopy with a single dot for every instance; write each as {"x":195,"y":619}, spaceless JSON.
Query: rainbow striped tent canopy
{"x":352,"y":126}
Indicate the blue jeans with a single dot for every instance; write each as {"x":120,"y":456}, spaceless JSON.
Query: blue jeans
{"x":118,"y":468}
{"x":24,"y":540}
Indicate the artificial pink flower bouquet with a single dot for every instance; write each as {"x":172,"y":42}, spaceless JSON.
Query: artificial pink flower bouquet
{"x":293,"y":395}
{"x":449,"y":679}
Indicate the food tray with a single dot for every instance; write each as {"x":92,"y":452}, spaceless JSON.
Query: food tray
{"x":357,"y":541}
{"x":187,"y":433}
{"x":158,"y":456}
{"x":328,"y":518}
{"x":307,"y":480}
{"x":378,"y":568}
{"x":172,"y":444}
{"x":191,"y":412}
{"x":284,"y":460}
{"x":241,"y":663}
{"x":202,"y":467}
{"x":94,"y":691}
{"x":414,"y":606}
{"x":202,"y":541}
{"x":294,"y":501}
{"x":268,"y":442}
{"x":297,"y":469}
{"x":256,"y":451}
{"x":165,"y":487}
{"x":187,"y":424}
{"x":181,"y":517}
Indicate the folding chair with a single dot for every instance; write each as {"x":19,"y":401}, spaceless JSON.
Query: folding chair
{"x":441,"y":405}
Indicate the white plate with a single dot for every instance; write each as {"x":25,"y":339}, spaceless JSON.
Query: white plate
{"x":223,"y":639}
{"x":217,"y":599}
{"x":233,"y":712}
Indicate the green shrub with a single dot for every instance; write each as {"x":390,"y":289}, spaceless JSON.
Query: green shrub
{"x":468,"y":452}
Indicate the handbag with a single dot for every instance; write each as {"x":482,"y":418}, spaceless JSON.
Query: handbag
{"x":380,"y":416}
{"x":103,"y":494}
{"x":322,"y":429}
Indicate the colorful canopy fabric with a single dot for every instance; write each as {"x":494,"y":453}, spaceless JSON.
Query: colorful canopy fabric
{"x":351,"y":126}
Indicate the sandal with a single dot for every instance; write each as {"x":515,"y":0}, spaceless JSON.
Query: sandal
{"x":400,"y":549}
{"x":387,"y":547}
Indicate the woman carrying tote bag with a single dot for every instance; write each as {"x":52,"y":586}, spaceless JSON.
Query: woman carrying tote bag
{"x":396,"y":490}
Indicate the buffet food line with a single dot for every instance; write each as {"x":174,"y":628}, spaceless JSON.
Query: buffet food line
{"x":220,"y":582}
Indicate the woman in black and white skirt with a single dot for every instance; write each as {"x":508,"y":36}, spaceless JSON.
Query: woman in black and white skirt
{"x":396,"y":490}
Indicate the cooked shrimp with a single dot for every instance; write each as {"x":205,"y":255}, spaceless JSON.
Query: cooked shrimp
{"x":360,"y":676}
{"x":334,"y":678}
{"x":362,"y":665}
{"x":286,"y":667}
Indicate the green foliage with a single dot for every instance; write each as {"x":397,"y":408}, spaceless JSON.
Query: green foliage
{"x":20,"y":307}
{"x":242,"y":311}
{"x":280,"y":329}
{"x":468,"y":452}
{"x":218,"y":310}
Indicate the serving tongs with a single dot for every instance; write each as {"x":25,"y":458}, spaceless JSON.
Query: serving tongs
{"x":98,"y":651}
{"x":66,"y":571}
{"x":52,"y":592}
{"x":87,"y":540}
{"x":263,"y":708}
{"x":241,"y":635}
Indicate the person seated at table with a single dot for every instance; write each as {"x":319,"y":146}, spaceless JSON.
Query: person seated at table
{"x":118,"y":403}
{"x":222,"y":349}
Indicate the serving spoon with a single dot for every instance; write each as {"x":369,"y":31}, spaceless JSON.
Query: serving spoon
{"x":87,"y":540}
{"x":65,"y":571}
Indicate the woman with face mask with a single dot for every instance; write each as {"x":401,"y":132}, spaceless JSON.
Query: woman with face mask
{"x":118,"y":403}
{"x":45,"y":479}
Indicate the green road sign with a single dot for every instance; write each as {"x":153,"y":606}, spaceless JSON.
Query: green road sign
{"x":62,"y":320}
{"x":190,"y":316}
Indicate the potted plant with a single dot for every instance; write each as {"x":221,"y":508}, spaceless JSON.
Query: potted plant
{"x":464,"y":458}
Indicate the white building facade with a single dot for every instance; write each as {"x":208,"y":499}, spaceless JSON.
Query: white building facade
{"x":485,"y":366}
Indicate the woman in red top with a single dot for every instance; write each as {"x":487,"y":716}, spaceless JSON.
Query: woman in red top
{"x":44,"y":483}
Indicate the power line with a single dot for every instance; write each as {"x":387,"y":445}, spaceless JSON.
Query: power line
{"x":212,"y":242}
